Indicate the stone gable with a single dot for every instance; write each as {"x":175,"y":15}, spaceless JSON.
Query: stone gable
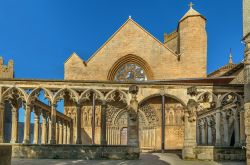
{"x":132,"y":39}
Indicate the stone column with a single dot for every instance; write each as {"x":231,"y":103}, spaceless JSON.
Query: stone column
{"x":163,"y":123}
{"x":203,"y":132}
{"x":26,"y":139}
{"x":53,"y":125}
{"x":14,"y":125}
{"x":36,"y":125}
{"x":49,"y":129}
{"x":57,"y":132}
{"x":65,"y":133}
{"x":103,"y":123}
{"x":133,"y":120}
{"x":68,"y":134}
{"x":209,"y":131}
{"x":60,"y":132}
{"x":198,"y":133}
{"x":78,"y":125}
{"x":217,"y":128}
{"x":225,"y":125}
{"x":242,"y":128}
{"x":236,"y":129}
{"x":44,"y":128}
{"x":190,"y":130}
{"x":1,"y":122}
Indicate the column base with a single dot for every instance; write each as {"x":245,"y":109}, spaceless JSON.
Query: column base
{"x":1,"y":140}
{"x":188,"y":153}
{"x":78,"y":141}
{"x":52,"y":141}
{"x":13,"y":141}
{"x":26,"y":141}
{"x":237,"y":144}
{"x":104,"y":142}
{"x":217,"y":145}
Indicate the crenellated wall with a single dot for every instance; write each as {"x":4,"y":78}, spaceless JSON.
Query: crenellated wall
{"x":6,"y":71}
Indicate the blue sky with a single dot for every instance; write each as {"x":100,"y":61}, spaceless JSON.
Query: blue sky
{"x":39,"y":35}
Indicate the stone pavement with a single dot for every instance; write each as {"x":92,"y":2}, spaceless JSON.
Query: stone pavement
{"x":145,"y":159}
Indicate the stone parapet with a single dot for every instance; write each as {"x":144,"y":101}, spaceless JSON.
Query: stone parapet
{"x":220,"y":153}
{"x":5,"y":154}
{"x":85,"y":152}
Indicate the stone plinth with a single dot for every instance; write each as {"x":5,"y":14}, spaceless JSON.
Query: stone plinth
{"x":85,"y":152}
{"x":5,"y":154}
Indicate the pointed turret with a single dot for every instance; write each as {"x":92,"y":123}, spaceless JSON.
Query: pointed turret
{"x":191,"y":12}
{"x":193,"y":41}
{"x":230,"y":57}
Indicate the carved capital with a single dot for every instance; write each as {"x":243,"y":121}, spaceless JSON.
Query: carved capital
{"x":192,"y":91}
{"x":133,"y":89}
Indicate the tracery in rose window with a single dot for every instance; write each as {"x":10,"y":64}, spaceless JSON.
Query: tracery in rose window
{"x":130,"y":72}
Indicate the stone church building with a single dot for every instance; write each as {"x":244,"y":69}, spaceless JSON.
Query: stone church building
{"x":178,"y":104}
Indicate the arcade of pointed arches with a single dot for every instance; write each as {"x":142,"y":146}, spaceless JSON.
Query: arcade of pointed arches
{"x":220,"y":119}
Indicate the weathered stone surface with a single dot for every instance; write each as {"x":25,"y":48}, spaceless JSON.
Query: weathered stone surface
{"x":74,"y":152}
{"x":5,"y":154}
{"x":220,"y":153}
{"x":132,"y":43}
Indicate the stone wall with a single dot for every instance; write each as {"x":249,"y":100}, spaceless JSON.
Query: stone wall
{"x":220,"y":153}
{"x":162,"y":62}
{"x":5,"y":154}
{"x":86,"y":152}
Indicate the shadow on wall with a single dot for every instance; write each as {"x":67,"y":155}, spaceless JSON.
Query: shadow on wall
{"x":86,"y":139}
{"x":145,"y":159}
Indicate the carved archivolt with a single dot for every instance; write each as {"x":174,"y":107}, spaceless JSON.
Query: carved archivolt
{"x":65,"y":92}
{"x":15,"y":96}
{"x":117,"y":95}
{"x":206,"y":100}
{"x":85,"y":95}
{"x":34,"y":94}
{"x":231,"y":98}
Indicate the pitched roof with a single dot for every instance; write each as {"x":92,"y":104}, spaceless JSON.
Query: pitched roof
{"x":225,"y":70}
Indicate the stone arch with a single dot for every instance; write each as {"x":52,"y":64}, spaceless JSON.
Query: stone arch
{"x":174,"y":133}
{"x":166,"y":95}
{"x":85,"y":95}
{"x":239,"y":98}
{"x":214,"y":97}
{"x":123,"y":96}
{"x":20,"y":92}
{"x":47,"y":94}
{"x":130,"y":59}
{"x":121,"y":112}
{"x":59,"y":95}
{"x":207,"y":100}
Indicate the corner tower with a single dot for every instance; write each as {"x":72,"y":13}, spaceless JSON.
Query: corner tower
{"x":6,"y":71}
{"x":193,"y":42}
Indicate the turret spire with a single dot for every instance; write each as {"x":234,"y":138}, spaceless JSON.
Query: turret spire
{"x":230,"y":57}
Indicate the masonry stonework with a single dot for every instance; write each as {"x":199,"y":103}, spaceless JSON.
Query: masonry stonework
{"x":134,"y":94}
